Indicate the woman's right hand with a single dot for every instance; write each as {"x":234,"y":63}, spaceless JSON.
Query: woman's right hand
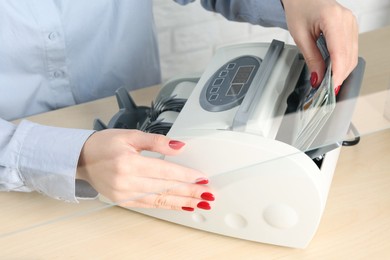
{"x":307,"y":19}
{"x":111,"y":162}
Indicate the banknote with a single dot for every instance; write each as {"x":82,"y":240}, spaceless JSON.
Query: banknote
{"x":314,"y":110}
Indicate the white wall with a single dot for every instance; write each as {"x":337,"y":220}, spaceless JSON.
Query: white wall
{"x":189,"y":35}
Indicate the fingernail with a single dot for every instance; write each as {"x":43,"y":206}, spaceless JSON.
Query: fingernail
{"x":207,"y":196}
{"x":336,"y":90}
{"x":204,"y":205}
{"x":202,"y":181}
{"x":187,"y":208}
{"x":176,"y":145}
{"x":313,"y":79}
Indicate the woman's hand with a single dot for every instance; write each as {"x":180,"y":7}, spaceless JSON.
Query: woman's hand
{"x":111,"y":162}
{"x":306,"y":19}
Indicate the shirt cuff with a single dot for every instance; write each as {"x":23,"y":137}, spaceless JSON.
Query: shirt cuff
{"x":48,"y":159}
{"x":270,"y":14}
{"x":265,"y":13}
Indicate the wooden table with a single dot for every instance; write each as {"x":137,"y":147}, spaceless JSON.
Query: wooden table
{"x":356,"y":222}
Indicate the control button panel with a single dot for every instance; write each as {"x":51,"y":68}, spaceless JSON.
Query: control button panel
{"x":229,"y":84}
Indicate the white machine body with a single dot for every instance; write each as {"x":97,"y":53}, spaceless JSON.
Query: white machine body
{"x":266,"y":190}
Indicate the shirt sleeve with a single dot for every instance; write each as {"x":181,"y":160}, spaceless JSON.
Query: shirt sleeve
{"x":41,"y":158}
{"x":267,"y":13}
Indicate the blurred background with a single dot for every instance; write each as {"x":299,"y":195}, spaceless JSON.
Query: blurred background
{"x":189,"y":35}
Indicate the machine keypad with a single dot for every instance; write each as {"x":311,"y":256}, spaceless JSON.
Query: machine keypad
{"x":213,"y":97}
{"x":229,"y":84}
{"x":223,"y":73}
{"x":214,"y":90}
{"x":218,"y":81}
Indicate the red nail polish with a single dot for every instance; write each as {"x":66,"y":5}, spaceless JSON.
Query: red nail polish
{"x":204,"y":205}
{"x":207,"y":196}
{"x":202,"y":181}
{"x":313,"y":79}
{"x":176,"y":145}
{"x":336,"y":90}
{"x":187,"y":208}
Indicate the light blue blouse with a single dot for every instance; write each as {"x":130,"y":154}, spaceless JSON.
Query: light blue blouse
{"x":57,"y":53}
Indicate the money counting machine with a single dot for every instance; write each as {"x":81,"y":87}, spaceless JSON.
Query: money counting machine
{"x":241,"y":120}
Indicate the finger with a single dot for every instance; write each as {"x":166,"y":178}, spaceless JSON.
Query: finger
{"x":164,"y":201}
{"x":339,"y":56}
{"x":155,"y":143}
{"x":149,"y":167}
{"x":307,"y":44}
{"x":149,"y":193}
{"x":171,"y":188}
{"x":342,"y":43}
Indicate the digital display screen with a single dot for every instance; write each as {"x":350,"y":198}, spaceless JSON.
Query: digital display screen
{"x":234,"y":89}
{"x":243,"y":74}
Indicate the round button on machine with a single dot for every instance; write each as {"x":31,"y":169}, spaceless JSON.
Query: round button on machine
{"x":280,"y":216}
{"x":199,"y":218}
{"x":235,"y":221}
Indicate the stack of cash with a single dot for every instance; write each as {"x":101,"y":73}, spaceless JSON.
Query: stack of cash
{"x":315,"y":110}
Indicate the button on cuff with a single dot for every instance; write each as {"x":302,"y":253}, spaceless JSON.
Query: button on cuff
{"x":53,"y":36}
{"x":58,"y":74}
